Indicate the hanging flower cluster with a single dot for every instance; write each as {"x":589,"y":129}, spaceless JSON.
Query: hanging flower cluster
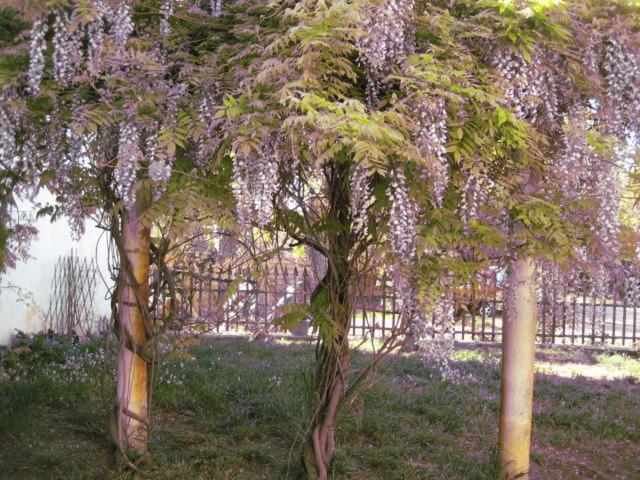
{"x":386,"y":40}
{"x":95,"y":34}
{"x":36,"y":58}
{"x":475,"y":192}
{"x":554,"y":285}
{"x":255,"y":183}
{"x":28,"y":155}
{"x":15,"y":155}
{"x":361,"y":197}
{"x":75,"y":139}
{"x":73,"y":152}
{"x":402,"y":219}
{"x":55,"y":141}
{"x":581,"y":172}
{"x":7,"y":130}
{"x":411,"y":311}
{"x":62,"y":65}
{"x":434,"y":333}
{"x":214,"y":132}
{"x":67,"y":42}
{"x":593,"y":53}
{"x":129,"y":160}
{"x":557,"y":286}
{"x":575,"y":162}
{"x":216,"y":7}
{"x":529,"y":86}
{"x":160,"y":163}
{"x":166,"y":10}
{"x":607,"y":226}
{"x":431,"y":139}
{"x":585,"y":173}
{"x":631,"y":283}
{"x":622,"y":88}
{"x":122,"y":26}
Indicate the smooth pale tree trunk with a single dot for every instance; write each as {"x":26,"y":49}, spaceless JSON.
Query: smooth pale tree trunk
{"x":518,"y":357}
{"x":132,"y":369}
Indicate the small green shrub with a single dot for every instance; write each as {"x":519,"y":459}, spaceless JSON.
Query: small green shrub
{"x":31,"y":350}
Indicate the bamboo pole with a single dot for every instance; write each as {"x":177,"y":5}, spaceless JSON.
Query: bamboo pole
{"x":132,"y":368}
{"x":518,"y":358}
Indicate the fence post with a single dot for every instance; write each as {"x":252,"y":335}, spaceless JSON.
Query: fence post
{"x":384,"y":304}
{"x":624,"y":322}
{"x":634,"y":338}
{"x":573,"y":320}
{"x":554,"y":315}
{"x":584,"y":315}
{"x":613,"y":315}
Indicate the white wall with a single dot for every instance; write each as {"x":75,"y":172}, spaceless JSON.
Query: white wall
{"x":34,"y":277}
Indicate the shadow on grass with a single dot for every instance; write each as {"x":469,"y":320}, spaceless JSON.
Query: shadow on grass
{"x":238,"y":411}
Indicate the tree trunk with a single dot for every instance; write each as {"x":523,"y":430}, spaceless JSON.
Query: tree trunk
{"x":332,"y":352}
{"x":330,"y":388}
{"x":132,"y":368}
{"x":518,"y":358}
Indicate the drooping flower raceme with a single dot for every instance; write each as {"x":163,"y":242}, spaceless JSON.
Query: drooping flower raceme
{"x":431,"y":138}
{"x":477,"y":185}
{"x":622,"y":97}
{"x":7,"y":131}
{"x":434,"y":334}
{"x":160,"y":164}
{"x":386,"y":39}
{"x":122,"y":26}
{"x":575,"y":161}
{"x":255,"y":182}
{"x":129,"y":160}
{"x":607,"y":225}
{"x":165,"y":12}
{"x":206,"y":116}
{"x":216,"y":7}
{"x":593,"y":52}
{"x":62,"y":65}
{"x":36,"y":55}
{"x":529,"y":86}
{"x":402,"y":219}
{"x":55,"y":140}
{"x":360,"y":197}
{"x":96,"y":35}
{"x":584,"y":173}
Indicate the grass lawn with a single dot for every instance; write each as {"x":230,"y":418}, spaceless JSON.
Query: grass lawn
{"x":237,"y":410}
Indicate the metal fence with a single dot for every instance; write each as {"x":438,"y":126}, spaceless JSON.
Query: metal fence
{"x":573,"y":320}
{"x":203,"y":297}
{"x":583,"y":319}
{"x":238,"y":300}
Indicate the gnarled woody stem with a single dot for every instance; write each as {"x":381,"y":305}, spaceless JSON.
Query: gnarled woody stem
{"x":320,"y":445}
{"x":332,"y":353}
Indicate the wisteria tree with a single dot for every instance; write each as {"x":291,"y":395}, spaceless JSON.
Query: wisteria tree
{"x":15,"y":182}
{"x":559,"y":214}
{"x":354,"y":128}
{"x":101,"y":115}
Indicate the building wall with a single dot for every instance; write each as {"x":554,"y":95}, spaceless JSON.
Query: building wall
{"x":25,"y":290}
